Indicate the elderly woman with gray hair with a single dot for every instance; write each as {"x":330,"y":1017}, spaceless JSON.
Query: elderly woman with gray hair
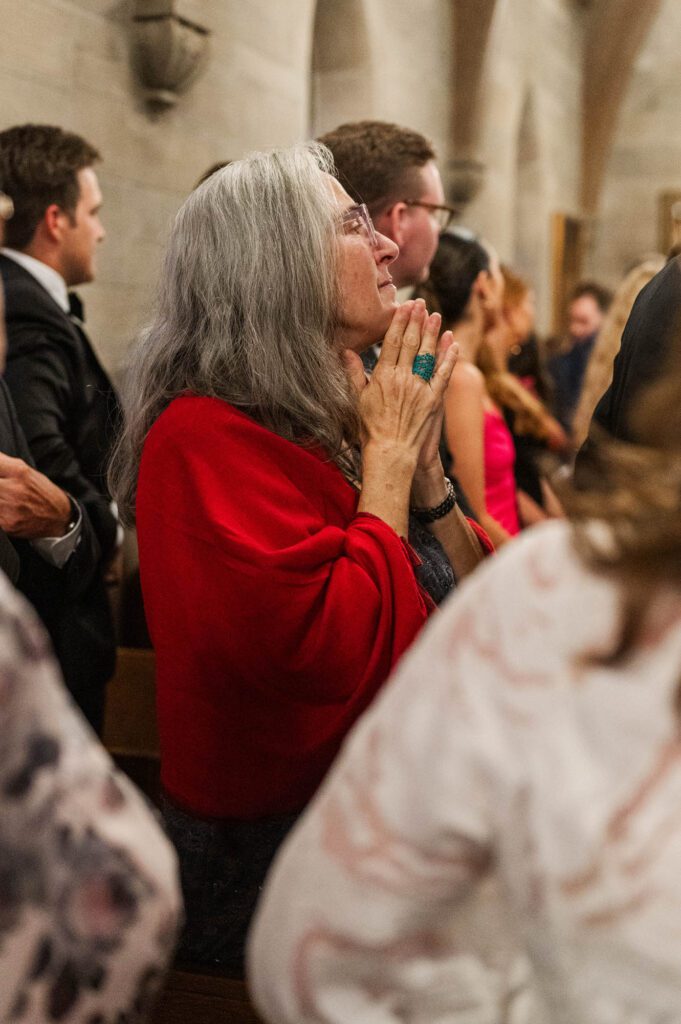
{"x":272,"y":485}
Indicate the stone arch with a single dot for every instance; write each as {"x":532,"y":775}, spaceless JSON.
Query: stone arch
{"x":341,"y":87}
{"x":531,"y":217}
{"x":615,"y":31}
{"x":642,"y":175}
{"x":528,"y":227}
{"x":472,"y":27}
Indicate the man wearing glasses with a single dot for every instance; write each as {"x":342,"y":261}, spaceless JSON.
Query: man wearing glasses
{"x":391,"y":174}
{"x":393,"y":171}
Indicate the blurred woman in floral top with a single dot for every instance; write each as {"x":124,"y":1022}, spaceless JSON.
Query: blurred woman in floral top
{"x":89,"y":899}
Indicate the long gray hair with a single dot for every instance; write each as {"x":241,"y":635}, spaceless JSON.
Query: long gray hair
{"x":246,"y":310}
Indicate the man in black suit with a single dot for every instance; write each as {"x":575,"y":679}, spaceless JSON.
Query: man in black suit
{"x":64,"y":400}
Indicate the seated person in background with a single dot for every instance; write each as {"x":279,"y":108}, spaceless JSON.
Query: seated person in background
{"x":271,"y":484}
{"x":534,"y":429}
{"x":530,"y":736}
{"x":89,"y":896}
{"x":588,"y":305}
{"x":466,"y":282}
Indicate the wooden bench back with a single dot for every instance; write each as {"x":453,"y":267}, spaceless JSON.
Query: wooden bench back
{"x":130,"y":721}
{"x":196,"y":998}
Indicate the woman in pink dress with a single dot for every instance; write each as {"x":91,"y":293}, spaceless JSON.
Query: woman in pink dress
{"x":501,"y":501}
{"x":467,"y":286}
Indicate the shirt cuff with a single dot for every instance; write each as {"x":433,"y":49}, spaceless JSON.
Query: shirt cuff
{"x":57,"y":550}
{"x":120,"y":532}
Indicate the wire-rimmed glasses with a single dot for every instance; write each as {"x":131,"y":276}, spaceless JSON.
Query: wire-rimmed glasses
{"x":357,"y":220}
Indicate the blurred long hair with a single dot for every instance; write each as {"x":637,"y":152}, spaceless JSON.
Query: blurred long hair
{"x":599,"y":370}
{"x":634,"y":491}
{"x":530,"y":416}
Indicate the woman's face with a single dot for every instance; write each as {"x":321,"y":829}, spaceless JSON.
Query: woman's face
{"x":367,"y":294}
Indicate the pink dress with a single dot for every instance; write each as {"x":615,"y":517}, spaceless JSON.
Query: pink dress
{"x":500,"y":495}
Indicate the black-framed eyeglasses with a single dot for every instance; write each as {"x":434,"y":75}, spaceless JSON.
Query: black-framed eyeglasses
{"x":357,"y":220}
{"x":442,"y":213}
{"x":6,"y":207}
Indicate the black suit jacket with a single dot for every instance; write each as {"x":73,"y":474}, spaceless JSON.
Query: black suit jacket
{"x":69,"y":413}
{"x":48,"y":588}
{"x":651,"y":329}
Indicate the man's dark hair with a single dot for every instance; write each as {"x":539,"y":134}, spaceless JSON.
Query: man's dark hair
{"x":211,"y":171}
{"x":39,"y":166}
{"x":601,"y":295}
{"x":378,"y":163}
{"x":458,"y":261}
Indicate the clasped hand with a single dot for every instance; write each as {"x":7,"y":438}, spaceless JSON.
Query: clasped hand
{"x":31,"y":506}
{"x":399,"y":409}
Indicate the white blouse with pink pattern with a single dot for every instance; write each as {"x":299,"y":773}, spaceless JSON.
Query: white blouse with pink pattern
{"x":500,"y":838}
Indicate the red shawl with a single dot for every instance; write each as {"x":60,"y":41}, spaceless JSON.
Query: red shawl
{"x":276,"y":610}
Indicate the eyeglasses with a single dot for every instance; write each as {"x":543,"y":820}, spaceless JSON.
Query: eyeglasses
{"x":357,"y":220}
{"x":442,"y":213}
{"x":6,"y":207}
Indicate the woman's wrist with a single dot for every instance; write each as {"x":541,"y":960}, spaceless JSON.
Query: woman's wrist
{"x":388,"y":459}
{"x":430,"y":514}
{"x":429,"y":487}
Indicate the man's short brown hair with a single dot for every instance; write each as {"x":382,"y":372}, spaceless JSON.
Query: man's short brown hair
{"x":39,"y":166}
{"x":377,"y":163}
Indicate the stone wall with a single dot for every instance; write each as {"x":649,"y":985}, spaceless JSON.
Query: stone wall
{"x":280,"y":70}
{"x":646,"y":156}
{"x":68,"y":62}
{"x":530,"y":134}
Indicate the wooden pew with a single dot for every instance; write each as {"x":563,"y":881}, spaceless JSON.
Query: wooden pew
{"x":204,"y":997}
{"x":130,"y":733}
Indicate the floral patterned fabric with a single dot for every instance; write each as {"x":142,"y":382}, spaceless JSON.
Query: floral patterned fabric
{"x":500,"y":838}
{"x":89,"y":903}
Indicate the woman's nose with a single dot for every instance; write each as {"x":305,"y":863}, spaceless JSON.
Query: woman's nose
{"x":386,"y":251}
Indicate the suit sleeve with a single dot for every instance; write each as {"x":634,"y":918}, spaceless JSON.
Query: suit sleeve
{"x":44,"y":393}
{"x":9,"y":558}
{"x":37,"y":577}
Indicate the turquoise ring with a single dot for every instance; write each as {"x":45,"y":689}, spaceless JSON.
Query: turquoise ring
{"x":423,"y":366}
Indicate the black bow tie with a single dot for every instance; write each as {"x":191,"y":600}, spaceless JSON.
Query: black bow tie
{"x":76,"y":307}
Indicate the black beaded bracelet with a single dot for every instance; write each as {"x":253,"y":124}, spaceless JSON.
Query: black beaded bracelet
{"x":430,"y":515}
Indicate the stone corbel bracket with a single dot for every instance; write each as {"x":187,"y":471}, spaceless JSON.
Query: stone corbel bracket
{"x":463,"y":180}
{"x":170,"y":48}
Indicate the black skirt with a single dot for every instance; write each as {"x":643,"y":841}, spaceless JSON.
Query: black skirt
{"x":223,"y":863}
